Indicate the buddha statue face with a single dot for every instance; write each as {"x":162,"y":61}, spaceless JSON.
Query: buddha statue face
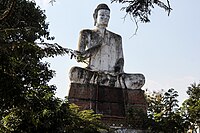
{"x":103,"y":16}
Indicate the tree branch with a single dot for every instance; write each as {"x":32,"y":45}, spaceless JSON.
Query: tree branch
{"x":8,"y":10}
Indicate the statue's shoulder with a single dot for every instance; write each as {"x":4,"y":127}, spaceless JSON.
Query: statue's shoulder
{"x":115,"y":35}
{"x":86,"y":31}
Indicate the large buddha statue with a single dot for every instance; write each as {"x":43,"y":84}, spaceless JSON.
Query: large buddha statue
{"x":102,"y":49}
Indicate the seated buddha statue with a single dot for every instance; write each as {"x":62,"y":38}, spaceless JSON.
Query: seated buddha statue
{"x":103,"y":52}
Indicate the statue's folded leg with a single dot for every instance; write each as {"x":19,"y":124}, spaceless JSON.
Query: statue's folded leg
{"x":85,"y":76}
{"x":132,"y":81}
{"x":80,"y":75}
{"x":124,"y":80}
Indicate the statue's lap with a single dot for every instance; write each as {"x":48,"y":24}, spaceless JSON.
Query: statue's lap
{"x":122,"y":80}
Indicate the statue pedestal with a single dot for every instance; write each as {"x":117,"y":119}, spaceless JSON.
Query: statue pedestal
{"x":123,"y":130}
{"x":112,"y":102}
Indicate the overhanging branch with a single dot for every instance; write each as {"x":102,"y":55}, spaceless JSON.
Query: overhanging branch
{"x":10,"y":5}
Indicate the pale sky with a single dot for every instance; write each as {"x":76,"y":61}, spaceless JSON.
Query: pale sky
{"x":166,"y":50}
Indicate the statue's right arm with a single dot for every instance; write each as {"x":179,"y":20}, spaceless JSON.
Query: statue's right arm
{"x":82,"y":42}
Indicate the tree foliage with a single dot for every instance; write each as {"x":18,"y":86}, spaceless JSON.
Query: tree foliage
{"x":191,"y":106}
{"x":6,"y":8}
{"x":163,"y":112}
{"x":21,"y":69}
{"x":27,"y":101}
{"x":136,"y":118}
{"x":56,"y":117}
{"x":141,"y":9}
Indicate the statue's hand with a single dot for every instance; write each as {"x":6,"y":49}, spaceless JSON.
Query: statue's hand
{"x":92,"y":50}
{"x":81,"y":57}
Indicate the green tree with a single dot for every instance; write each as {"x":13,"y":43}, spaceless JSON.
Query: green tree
{"x":21,"y":68}
{"x":57,"y":117}
{"x":155,"y":103}
{"x":191,"y":106}
{"x":27,"y":102}
{"x":163,"y":112}
{"x":155,"y":110}
{"x":136,"y":118}
{"x":170,"y":102}
{"x":141,"y":9}
{"x":5,"y":10}
{"x":172,"y":120}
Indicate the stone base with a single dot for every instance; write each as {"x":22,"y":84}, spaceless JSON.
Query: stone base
{"x":124,"y":130}
{"x":112,"y":102}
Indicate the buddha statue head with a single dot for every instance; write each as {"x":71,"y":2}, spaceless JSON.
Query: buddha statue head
{"x":101,"y":16}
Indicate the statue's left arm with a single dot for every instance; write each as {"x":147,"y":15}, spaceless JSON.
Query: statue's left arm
{"x":119,"y":65}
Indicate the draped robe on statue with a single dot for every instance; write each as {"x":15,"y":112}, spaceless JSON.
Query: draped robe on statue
{"x":105,"y":51}
{"x":105,"y":61}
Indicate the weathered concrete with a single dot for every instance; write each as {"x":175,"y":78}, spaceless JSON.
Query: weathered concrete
{"x":130,"y":131}
{"x":105,"y":52}
{"x":119,"y":80}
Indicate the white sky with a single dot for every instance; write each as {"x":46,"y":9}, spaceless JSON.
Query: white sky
{"x":166,"y":51}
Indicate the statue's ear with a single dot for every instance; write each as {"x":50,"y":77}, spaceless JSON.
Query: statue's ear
{"x":95,"y":22}
{"x":95,"y":18}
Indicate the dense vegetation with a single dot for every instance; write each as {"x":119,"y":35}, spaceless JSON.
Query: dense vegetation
{"x":27,"y":102}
